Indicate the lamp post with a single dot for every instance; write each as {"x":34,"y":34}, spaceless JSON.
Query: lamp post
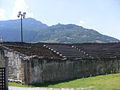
{"x":21,"y":16}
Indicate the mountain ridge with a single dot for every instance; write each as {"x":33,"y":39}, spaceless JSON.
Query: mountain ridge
{"x":36,"y":31}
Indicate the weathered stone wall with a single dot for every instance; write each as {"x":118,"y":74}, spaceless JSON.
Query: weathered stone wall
{"x":2,"y":58}
{"x":4,"y":64}
{"x":34,"y":70}
{"x":44,"y":70}
{"x":16,"y":66}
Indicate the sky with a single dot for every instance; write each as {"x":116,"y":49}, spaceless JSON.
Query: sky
{"x":101,"y":15}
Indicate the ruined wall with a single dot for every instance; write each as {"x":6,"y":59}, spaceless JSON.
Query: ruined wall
{"x":44,"y":70}
{"x":4,"y":64}
{"x":35,"y":70}
{"x":15,"y":66}
{"x":2,"y":58}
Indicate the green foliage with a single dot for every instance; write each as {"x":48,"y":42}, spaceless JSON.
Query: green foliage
{"x":35,"y":31}
{"x":72,"y":34}
{"x":102,"y":82}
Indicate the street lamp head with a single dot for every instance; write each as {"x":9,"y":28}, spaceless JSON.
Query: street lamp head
{"x":24,"y":13}
{"x":19,"y":12}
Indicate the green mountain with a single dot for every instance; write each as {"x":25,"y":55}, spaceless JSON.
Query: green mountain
{"x":10,"y":30}
{"x":35,"y":31}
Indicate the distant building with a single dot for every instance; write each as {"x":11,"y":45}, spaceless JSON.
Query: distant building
{"x":49,"y":62}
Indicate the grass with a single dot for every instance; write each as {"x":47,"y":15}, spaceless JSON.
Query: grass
{"x":102,"y":82}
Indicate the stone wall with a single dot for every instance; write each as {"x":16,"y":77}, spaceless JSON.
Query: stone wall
{"x":46,"y":70}
{"x":16,"y":66}
{"x":4,"y":64}
{"x":2,"y":58}
{"x":36,"y":70}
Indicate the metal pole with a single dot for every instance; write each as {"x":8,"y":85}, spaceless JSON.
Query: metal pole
{"x":21,"y":30}
{"x":21,"y":17}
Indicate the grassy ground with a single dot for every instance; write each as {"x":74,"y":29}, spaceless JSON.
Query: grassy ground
{"x":102,"y":82}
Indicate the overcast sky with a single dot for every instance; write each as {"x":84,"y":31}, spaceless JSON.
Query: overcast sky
{"x":101,"y":15}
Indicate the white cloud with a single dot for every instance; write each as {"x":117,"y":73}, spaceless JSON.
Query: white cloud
{"x":2,"y":13}
{"x":20,"y":5}
{"x":81,"y":23}
{"x":30,"y":15}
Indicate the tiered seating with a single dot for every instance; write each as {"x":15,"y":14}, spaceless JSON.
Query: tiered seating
{"x":31,"y":49}
{"x":71,"y":51}
{"x":67,"y":51}
{"x":106,"y":50}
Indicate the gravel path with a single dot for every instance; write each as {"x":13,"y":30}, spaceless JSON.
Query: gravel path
{"x":26,"y":88}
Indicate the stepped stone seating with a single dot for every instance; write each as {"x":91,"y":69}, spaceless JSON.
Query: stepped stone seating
{"x":105,"y":50}
{"x":31,"y":49}
{"x":67,"y":50}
